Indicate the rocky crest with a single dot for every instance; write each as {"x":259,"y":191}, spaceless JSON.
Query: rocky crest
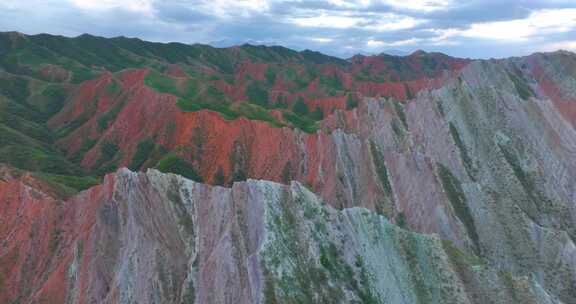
{"x":159,"y":238}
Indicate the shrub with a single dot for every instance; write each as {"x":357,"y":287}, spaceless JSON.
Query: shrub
{"x":108,"y":150}
{"x":173,"y":163}
{"x":109,"y":116}
{"x":256,"y":94}
{"x":270,"y":76}
{"x":15,"y":88}
{"x":331,"y":82}
{"x":255,"y":112}
{"x":524,"y":91}
{"x":219,"y":178}
{"x":301,"y":122}
{"x":457,"y":199}
{"x":143,"y":150}
{"x":161,"y":83}
{"x":351,"y":102}
{"x":78,"y":183}
{"x":300,"y":107}
{"x":399,"y":108}
{"x":55,"y":95}
{"x":318,"y":114}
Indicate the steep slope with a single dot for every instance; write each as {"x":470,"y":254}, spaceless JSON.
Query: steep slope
{"x":484,"y":161}
{"x":156,"y":238}
{"x":480,"y":154}
{"x":71,"y":82}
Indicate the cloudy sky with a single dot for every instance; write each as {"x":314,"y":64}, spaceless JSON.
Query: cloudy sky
{"x":465,"y":28}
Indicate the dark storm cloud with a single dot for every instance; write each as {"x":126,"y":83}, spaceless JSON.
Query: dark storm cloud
{"x":336,"y":27}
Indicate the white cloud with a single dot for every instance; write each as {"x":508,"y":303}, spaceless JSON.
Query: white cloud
{"x":371,"y":43}
{"x":321,"y":39}
{"x":324,"y":20}
{"x":419,"y":5}
{"x":375,"y":44}
{"x":562,"y":45}
{"x":392,"y":22}
{"x":131,"y":5}
{"x":538,"y":23}
{"x":232,"y":8}
{"x":373,"y":22}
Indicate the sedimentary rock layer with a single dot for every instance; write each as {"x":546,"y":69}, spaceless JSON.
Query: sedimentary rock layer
{"x":159,"y":238}
{"x":486,"y":161}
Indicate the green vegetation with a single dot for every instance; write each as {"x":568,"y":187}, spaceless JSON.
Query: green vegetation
{"x":408,"y":92}
{"x":55,"y":97}
{"x":331,"y":82}
{"x":399,"y":109}
{"x":300,"y":107}
{"x":386,"y":205}
{"x":113,"y":87}
{"x":71,"y":126}
{"x":301,"y":122}
{"x":143,"y":151}
{"x":108,"y":150}
{"x":109,"y":116}
{"x":15,"y":88}
{"x":300,"y":79}
{"x":525,"y":178}
{"x":257,"y":94}
{"x":21,"y":110}
{"x":161,"y":83}
{"x":34,"y":158}
{"x":219,"y":178}
{"x":351,"y":102}
{"x":381,"y":170}
{"x":86,"y":146}
{"x":184,"y":218}
{"x":55,"y":238}
{"x":188,"y":89}
{"x":108,"y":161}
{"x":27,"y":153}
{"x":410,"y":247}
{"x":457,"y":199}
{"x":468,"y":165}
{"x":29,"y":97}
{"x":318,"y":114}
{"x":524,"y":91}
{"x":270,"y":76}
{"x":286,"y":175}
{"x":81,"y":74}
{"x":37,"y":131}
{"x":400,"y":220}
{"x":310,"y":279}
{"x":397,"y":129}
{"x":255,"y":112}
{"x":189,"y":105}
{"x":459,"y":257}
{"x":193,"y":98}
{"x":77,"y":183}
{"x":172,"y":163}
{"x":238,"y":175}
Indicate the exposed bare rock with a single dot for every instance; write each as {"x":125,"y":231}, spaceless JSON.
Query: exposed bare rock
{"x":157,"y":238}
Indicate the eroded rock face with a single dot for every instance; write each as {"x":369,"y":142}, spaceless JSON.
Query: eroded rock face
{"x":159,"y":238}
{"x":478,"y":154}
{"x":485,"y":161}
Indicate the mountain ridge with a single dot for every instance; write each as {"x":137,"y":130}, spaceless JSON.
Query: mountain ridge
{"x":478,"y":153}
{"x":196,"y":269}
